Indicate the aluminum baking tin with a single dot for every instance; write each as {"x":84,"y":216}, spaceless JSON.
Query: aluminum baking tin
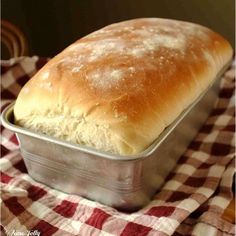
{"x":124,"y":182}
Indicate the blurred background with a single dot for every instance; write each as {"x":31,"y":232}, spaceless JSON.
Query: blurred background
{"x":51,"y":25}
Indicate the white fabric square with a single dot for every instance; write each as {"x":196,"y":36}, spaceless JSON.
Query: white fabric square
{"x":172,"y":185}
{"x":216,"y":171}
{"x":166,"y":225}
{"x":186,"y":169}
{"x":8,"y":80}
{"x":188,"y":204}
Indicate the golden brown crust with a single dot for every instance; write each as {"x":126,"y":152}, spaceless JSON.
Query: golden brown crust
{"x":124,"y":83}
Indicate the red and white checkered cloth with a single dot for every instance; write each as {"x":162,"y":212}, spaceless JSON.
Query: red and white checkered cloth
{"x":191,"y":202}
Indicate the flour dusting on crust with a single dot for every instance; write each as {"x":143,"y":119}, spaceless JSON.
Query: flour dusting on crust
{"x":131,"y":44}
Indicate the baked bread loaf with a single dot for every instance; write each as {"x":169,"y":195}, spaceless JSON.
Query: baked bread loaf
{"x":118,"y":88}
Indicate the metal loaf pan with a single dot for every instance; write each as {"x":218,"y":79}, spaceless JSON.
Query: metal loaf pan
{"x":124,"y":182}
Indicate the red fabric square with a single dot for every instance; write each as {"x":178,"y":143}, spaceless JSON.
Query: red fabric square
{"x":229,"y":128}
{"x":220,"y":149}
{"x":45,"y":228}
{"x":7,"y":95}
{"x":178,"y":196}
{"x":195,"y":145}
{"x":4,"y":151}
{"x":97,"y":218}
{"x":14,"y":140}
{"x":23,"y":79}
{"x":5,"y":178}
{"x":196,"y":214}
{"x":195,"y":182}
{"x":21,"y":166}
{"x":205,"y":166}
{"x":218,"y":111}
{"x":226,"y":93}
{"x":135,"y":229}
{"x":161,"y":211}
{"x":66,"y":208}
{"x":14,"y":206}
{"x":183,"y":159}
{"x":41,"y":62}
{"x":5,"y":68}
{"x":207,"y":128}
{"x":170,"y":176}
{"x":35,"y":193}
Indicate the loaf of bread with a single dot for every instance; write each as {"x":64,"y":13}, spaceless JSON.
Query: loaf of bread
{"x":118,"y":88}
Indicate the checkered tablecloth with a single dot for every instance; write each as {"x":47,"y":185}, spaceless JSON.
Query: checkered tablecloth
{"x":191,"y":202}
